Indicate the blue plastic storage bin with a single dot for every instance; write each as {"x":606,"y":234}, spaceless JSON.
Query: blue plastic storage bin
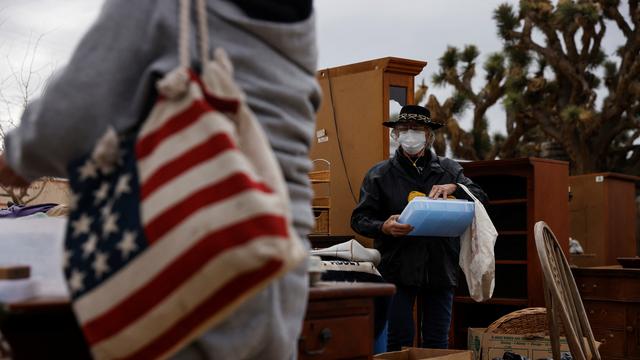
{"x":437,"y":217}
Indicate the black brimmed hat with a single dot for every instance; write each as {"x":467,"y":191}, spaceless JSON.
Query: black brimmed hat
{"x":415,"y":114}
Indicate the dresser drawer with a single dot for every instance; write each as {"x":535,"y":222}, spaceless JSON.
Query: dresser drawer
{"x":606,"y":315}
{"x":612,"y":341}
{"x":597,"y":287}
{"x":336,"y":338}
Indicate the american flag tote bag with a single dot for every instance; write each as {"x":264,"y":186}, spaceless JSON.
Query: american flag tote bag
{"x":173,"y":228}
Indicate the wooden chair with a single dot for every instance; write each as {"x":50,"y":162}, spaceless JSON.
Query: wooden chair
{"x":562,"y":299}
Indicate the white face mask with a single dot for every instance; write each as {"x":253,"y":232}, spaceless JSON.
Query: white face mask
{"x":412,"y":141}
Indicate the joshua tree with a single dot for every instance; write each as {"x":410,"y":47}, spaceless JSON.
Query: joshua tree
{"x":550,"y":88}
{"x":503,"y":71}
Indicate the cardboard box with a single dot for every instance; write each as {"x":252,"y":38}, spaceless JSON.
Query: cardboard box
{"x":420,"y":354}
{"x":490,"y":346}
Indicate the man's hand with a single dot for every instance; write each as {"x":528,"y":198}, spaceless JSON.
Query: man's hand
{"x":394,"y":228}
{"x":442,"y":191}
{"x":8,"y":177}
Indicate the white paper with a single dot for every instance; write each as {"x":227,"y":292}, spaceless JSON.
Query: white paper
{"x":37,"y":242}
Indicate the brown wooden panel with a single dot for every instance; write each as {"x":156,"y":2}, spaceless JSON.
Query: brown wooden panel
{"x":587,"y":217}
{"x":612,"y":342}
{"x":605,"y":314}
{"x":333,"y":338}
{"x":603,"y":217}
{"x":347,"y":290}
{"x":550,"y":186}
{"x":633,"y":331}
{"x":351,"y":115}
{"x":319,"y":309}
{"x":604,"y":287}
{"x":391,"y":64}
{"x":621,"y":206}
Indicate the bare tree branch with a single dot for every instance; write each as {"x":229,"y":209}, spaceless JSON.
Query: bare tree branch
{"x":558,"y":61}
{"x":597,"y":40}
{"x":546,"y":124}
{"x":510,"y":142}
{"x":552,"y":37}
{"x":588,"y":33}
{"x":569,"y":42}
{"x":36,"y":195}
{"x":614,"y":14}
{"x":468,"y":75}
{"x":633,"y":11}
{"x":629,"y":71}
{"x":454,"y":79}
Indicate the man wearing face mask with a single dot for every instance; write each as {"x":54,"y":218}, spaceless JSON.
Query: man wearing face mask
{"x":425,"y":266}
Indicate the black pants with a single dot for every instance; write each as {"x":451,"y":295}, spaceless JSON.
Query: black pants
{"x":436,"y":317}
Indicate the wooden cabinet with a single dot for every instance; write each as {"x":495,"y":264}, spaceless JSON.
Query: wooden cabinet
{"x":357,"y":98}
{"x":603,"y":217}
{"x":339,"y":320}
{"x":611,"y":298}
{"x":521,"y":192}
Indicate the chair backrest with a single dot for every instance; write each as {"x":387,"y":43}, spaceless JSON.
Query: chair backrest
{"x":562,"y":298}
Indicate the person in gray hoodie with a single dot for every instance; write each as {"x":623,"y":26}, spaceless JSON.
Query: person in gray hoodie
{"x":109,"y":82}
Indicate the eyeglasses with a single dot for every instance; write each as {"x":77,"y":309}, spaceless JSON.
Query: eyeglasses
{"x":410,"y":126}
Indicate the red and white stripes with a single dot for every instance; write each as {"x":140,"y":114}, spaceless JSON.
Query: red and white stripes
{"x":204,"y":211}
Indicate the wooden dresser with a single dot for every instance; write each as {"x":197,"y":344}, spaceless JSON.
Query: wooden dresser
{"x":338,"y":324}
{"x":611,"y":298}
{"x":43,"y":328}
{"x":339,"y":320}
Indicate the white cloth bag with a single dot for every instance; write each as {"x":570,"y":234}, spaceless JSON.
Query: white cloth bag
{"x":477,"y":258}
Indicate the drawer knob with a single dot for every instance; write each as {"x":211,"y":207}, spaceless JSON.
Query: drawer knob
{"x":595,"y":286}
{"x":629,"y":328}
{"x":324,"y":337}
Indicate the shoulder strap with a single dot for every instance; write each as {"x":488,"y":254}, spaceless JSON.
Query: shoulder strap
{"x":468,"y":192}
{"x":202,"y":32}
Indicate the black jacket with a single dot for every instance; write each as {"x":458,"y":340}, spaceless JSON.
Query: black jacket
{"x":411,"y":260}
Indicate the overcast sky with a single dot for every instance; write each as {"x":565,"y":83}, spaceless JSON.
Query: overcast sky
{"x":348,"y":31}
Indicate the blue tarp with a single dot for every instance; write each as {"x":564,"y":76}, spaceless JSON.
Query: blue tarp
{"x":15,"y":211}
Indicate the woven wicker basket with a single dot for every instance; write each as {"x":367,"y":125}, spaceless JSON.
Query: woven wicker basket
{"x":321,"y":222}
{"x":529,"y":321}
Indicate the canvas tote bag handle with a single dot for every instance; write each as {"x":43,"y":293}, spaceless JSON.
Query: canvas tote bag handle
{"x":468,"y":192}
{"x":474,"y":244}
{"x":202,"y":32}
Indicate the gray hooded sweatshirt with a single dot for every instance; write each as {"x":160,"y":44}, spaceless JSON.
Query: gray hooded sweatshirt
{"x":108,"y":82}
